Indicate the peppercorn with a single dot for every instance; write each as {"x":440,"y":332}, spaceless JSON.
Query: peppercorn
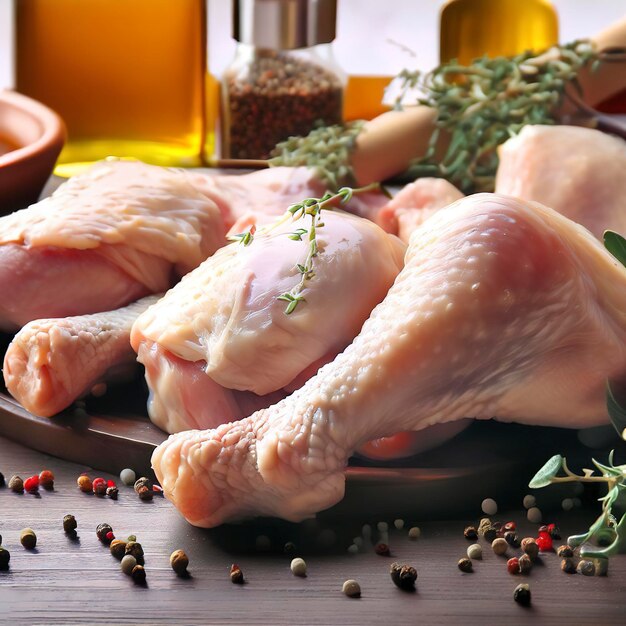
{"x":544,"y":542}
{"x":499,"y":546}
{"x":16,"y":484}
{"x":99,"y":486}
{"x":521,"y":594}
{"x":403,"y":576}
{"x":525,"y":564}
{"x":351,"y":588}
{"x":112,"y":492}
{"x":28,"y":538}
{"x":511,"y":538}
{"x":465,"y":565}
{"x":134,"y":548}
{"x":484,"y":524}
{"x":554,"y":531}
{"x":414,"y":532}
{"x":179,"y":562}
{"x":289,"y":547}
{"x":2,"y":482}
{"x":128,"y":564}
{"x":534,"y":515}
{"x":131,"y":538}
{"x":5,"y":557}
{"x":145,"y":494}
{"x":118,"y":548}
{"x":512,"y":565}
{"x":475,"y":551}
{"x":510,"y":527}
{"x":489,"y":506}
{"x":69,"y":523}
{"x":530,"y":547}
{"x":236,"y":575}
{"x":470,"y":532}
{"x":398,"y":523}
{"x":565,"y":552}
{"x":298,"y":567}
{"x":568,"y":565}
{"x":529,"y":501}
{"x":143,"y":482}
{"x":382,"y":549}
{"x":46,"y":479}
{"x":31,"y":484}
{"x":84,"y":483}
{"x":490,"y":535}
{"x":102,"y":531}
{"x":586,"y":568}
{"x":128,"y":476}
{"x":138,"y":575}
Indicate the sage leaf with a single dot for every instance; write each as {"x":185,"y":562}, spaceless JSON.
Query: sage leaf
{"x":548,"y":471}
{"x":616,"y":245}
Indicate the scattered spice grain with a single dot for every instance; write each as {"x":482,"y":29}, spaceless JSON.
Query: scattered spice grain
{"x":403,"y":576}
{"x":102,"y":530}
{"x":485,"y":523}
{"x":145,"y":494}
{"x":138,"y":574}
{"x":5,"y":557}
{"x":530,"y":547}
{"x":136,"y":550}
{"x":236,"y":575}
{"x":28,"y":538}
{"x":568,"y":565}
{"x":46,"y":480}
{"x":525,"y":564}
{"x":2,"y":481}
{"x":470,"y":533}
{"x":382,"y":549}
{"x":511,"y":538}
{"x":475,"y":551}
{"x":112,"y":492}
{"x":490,"y":535}
{"x":298,"y":567}
{"x":31,"y":484}
{"x":99,"y":486}
{"x":522,"y":594}
{"x":512,"y":566}
{"x":118,"y":548}
{"x":529,"y":501}
{"x":128,"y":476}
{"x":128,"y":564}
{"x":179,"y":562}
{"x":489,"y":506}
{"x":351,"y":588}
{"x":398,"y":523}
{"x":565,"y":552}
{"x":84,"y":483}
{"x":586,"y":568}
{"x":414,"y":532}
{"x":499,"y":546}
{"x":534,"y":515}
{"x":465,"y":565}
{"x":16,"y":484}
{"x":69,"y":523}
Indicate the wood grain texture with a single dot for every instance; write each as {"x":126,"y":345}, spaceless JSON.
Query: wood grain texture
{"x":78,"y":582}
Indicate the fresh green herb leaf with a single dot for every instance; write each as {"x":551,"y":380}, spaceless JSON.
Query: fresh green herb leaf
{"x":616,"y":245}
{"x":548,"y":471}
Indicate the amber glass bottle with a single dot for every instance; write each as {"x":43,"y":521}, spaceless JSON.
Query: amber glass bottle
{"x":471,"y":28}
{"x":128,"y":76}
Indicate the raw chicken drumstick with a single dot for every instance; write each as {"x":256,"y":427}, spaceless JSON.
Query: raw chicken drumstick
{"x":52,"y":362}
{"x":504,"y":309}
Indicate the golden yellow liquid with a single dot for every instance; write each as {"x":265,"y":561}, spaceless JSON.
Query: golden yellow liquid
{"x":363,"y":97}
{"x":127,"y":76}
{"x":472,"y":28}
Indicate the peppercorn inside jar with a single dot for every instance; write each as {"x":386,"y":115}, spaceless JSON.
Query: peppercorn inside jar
{"x":283,"y":80}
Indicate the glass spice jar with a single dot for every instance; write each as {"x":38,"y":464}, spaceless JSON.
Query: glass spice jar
{"x":283,"y":80}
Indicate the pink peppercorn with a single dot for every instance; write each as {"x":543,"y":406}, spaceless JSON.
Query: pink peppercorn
{"x":99,"y":486}
{"x":110,"y":536}
{"x":31,"y":485}
{"x":111,"y":483}
{"x":512,"y":565}
{"x":544,"y":541}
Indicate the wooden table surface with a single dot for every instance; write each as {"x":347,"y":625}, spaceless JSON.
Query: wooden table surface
{"x":65,"y":581}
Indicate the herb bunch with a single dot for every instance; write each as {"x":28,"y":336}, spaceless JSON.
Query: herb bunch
{"x":483,"y":104}
{"x":606,"y":531}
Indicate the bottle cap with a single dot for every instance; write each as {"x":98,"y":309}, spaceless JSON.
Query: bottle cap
{"x":284,"y":24}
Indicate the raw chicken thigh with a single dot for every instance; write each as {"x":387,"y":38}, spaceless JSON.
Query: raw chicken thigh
{"x":504,"y":309}
{"x":117,"y":232}
{"x":223,"y":329}
{"x":52,"y":362}
{"x":579,"y":172}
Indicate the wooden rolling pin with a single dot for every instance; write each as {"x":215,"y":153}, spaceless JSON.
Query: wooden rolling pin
{"x":389,"y":142}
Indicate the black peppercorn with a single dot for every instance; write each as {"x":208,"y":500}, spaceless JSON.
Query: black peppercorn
{"x":112,"y":492}
{"x":102,"y":531}
{"x":143,"y":482}
{"x":403,"y":576}
{"x":511,"y":539}
{"x":565,"y":552}
{"x":118,"y":548}
{"x":179,"y":562}
{"x":138,"y":574}
{"x":5,"y":557}
{"x":465,"y":565}
{"x":521,"y":594}
{"x":28,"y":538}
{"x":69,"y":523}
{"x":490,"y":534}
{"x":568,"y":566}
{"x":236,"y":575}
{"x":382,"y":549}
{"x":134,"y":549}
{"x":470,"y":533}
{"x":2,"y":481}
{"x":145,"y":494}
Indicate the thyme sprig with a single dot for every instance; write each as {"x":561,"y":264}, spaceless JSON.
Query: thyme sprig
{"x":312,"y":207}
{"x":244,"y":238}
{"x":606,"y":531}
{"x":483,"y":104}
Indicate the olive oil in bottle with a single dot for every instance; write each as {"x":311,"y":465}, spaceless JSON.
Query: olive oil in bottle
{"x":127,"y":76}
{"x":472,"y":28}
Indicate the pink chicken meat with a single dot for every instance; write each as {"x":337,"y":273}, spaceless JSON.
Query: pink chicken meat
{"x":504,"y":309}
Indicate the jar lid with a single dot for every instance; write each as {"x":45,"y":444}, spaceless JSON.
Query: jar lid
{"x":284,"y":24}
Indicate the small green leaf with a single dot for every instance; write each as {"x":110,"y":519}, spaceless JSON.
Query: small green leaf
{"x":617,"y":413}
{"x":548,"y":471}
{"x":606,"y":470}
{"x":616,"y":245}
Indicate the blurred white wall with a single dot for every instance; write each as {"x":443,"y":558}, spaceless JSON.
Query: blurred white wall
{"x":366,"y":32}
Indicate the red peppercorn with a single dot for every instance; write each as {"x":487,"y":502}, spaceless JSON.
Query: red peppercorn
{"x":544,"y":541}
{"x":31,"y":485}
{"x":512,"y":565}
{"x":510,"y":527}
{"x":111,"y":483}
{"x":46,"y":479}
{"x":110,"y":536}
{"x":99,"y":486}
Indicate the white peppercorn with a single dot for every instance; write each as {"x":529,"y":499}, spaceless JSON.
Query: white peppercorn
{"x":298,"y":567}
{"x":351,"y":588}
{"x":414,"y":532}
{"x":489,"y":506}
{"x":128,"y":564}
{"x":475,"y":551}
{"x":534,"y":515}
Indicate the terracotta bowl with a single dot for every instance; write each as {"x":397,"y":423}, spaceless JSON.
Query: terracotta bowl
{"x":31,"y":138}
